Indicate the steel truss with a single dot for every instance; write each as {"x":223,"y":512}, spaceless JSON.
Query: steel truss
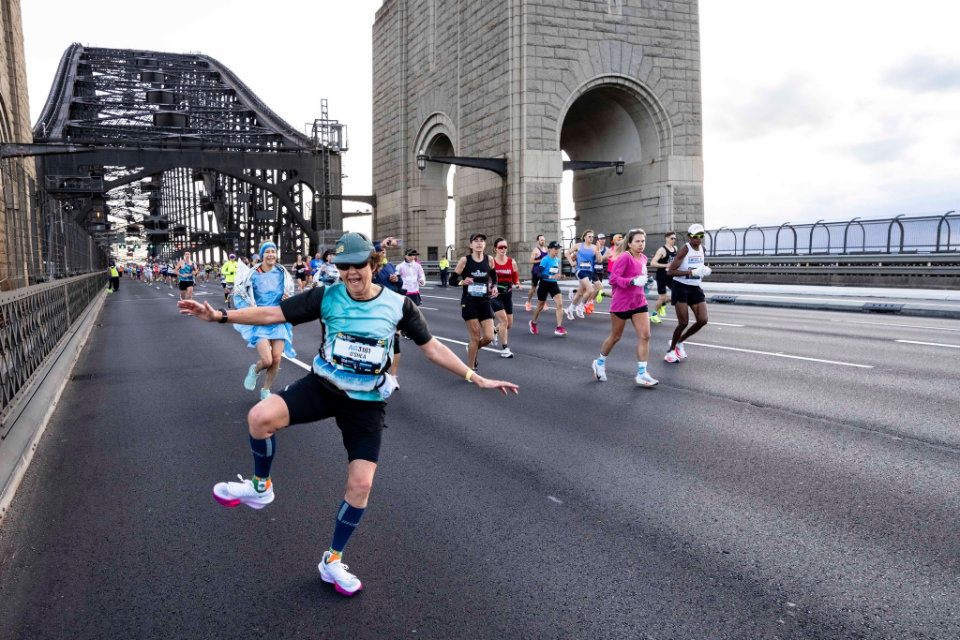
{"x":174,"y":151}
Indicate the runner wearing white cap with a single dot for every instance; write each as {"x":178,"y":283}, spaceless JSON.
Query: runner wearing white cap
{"x":687,"y":269}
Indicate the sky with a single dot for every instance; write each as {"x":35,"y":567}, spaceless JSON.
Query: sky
{"x":825,"y":109}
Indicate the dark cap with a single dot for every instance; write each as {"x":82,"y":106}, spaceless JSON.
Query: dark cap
{"x":413,"y":252}
{"x":352,"y":248}
{"x":553,"y":245}
{"x":477,"y":235}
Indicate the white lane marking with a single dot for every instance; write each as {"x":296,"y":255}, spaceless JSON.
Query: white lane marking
{"x":422,"y":295}
{"x":554,"y":499}
{"x":931,"y":344}
{"x":894,"y":324}
{"x":719,"y":324}
{"x":783,"y":355}
{"x":171,"y":295}
{"x":465,"y":343}
{"x":302,"y":365}
{"x":430,"y":308}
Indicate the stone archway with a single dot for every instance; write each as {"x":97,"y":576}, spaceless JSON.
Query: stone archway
{"x":427,"y":199}
{"x":613,"y":117}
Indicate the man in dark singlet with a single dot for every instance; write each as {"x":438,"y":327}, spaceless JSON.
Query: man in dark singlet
{"x":479,"y":282}
{"x":661,"y":260}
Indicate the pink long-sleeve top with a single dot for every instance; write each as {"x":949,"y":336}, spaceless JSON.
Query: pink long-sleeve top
{"x":625,"y":268}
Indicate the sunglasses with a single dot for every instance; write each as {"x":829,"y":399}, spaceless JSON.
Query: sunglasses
{"x":357,"y":266}
{"x":501,"y":246}
{"x":696,"y":235}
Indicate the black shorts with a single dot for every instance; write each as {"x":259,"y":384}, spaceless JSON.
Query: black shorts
{"x":302,"y":276}
{"x":185,"y":284}
{"x":547,"y":289}
{"x":475,"y":308}
{"x":626,"y":315}
{"x":686,"y":294}
{"x":417,"y":300}
{"x":503,"y":302}
{"x":597,"y":276}
{"x":534,"y":279}
{"x":663,"y":281}
{"x":311,"y":399}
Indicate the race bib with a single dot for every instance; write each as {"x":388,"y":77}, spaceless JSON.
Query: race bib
{"x":476,"y":289}
{"x":586,"y":265}
{"x":358,"y":355}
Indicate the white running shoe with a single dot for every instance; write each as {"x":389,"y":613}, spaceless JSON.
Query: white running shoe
{"x":232,"y":494}
{"x":336,"y":573}
{"x":572,"y":294}
{"x":569,"y":311}
{"x":672,"y":356}
{"x":681,"y":351}
{"x":580,"y":310}
{"x":250,"y":382}
{"x":506,"y":353}
{"x":645,"y":380}
{"x":599,"y":371}
{"x":496,"y":340}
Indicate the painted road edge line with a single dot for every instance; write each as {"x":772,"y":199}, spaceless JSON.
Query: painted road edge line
{"x":931,"y":344}
{"x":466,"y":343}
{"x":782,"y":355}
{"x":302,"y":365}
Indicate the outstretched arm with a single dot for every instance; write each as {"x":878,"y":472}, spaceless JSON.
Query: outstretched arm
{"x":250,"y":315}
{"x":439,"y":354}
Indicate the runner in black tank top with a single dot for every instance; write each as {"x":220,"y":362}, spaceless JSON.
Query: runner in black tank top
{"x":661,"y":259}
{"x":479,"y":282}
{"x":535,"y":257}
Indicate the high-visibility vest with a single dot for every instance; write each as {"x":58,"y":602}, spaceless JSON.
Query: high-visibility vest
{"x":114,"y":273}
{"x":444,"y":263}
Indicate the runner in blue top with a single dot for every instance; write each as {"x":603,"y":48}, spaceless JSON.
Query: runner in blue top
{"x":265,"y":286}
{"x":550,"y":272}
{"x":186,"y":271}
{"x":348,"y":382}
{"x":582,"y":257}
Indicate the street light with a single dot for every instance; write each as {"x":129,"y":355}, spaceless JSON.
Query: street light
{"x":580,"y":165}
{"x":497,"y":165}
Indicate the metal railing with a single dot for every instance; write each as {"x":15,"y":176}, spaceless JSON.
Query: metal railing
{"x":33,"y":320}
{"x":898,"y":235}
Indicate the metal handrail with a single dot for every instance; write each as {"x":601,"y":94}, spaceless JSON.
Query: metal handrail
{"x":943,"y":219}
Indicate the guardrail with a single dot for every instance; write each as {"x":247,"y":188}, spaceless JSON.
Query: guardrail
{"x":33,"y":320}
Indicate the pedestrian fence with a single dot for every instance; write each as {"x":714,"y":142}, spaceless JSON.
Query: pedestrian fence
{"x":33,"y":321}
{"x":898,"y":235}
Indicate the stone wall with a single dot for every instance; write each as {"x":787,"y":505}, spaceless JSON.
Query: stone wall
{"x":523,"y":79}
{"x":17,"y":242}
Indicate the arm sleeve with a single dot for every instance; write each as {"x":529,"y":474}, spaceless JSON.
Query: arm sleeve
{"x":492,"y":272}
{"x":413,"y":324}
{"x":617,"y":270}
{"x":303,"y":307}
{"x":516,"y":272}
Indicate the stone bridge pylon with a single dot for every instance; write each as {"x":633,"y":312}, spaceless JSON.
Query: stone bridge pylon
{"x":522,"y":82}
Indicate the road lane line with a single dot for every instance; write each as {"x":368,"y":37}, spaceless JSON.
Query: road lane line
{"x":465,"y":343}
{"x":302,"y":365}
{"x":430,"y":308}
{"x":719,"y":324}
{"x":782,"y":355}
{"x":551,"y":498}
{"x":893,"y":324}
{"x":423,"y":295}
{"x":931,"y":344}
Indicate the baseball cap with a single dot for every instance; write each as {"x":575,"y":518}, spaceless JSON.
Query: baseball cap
{"x":352,"y":248}
{"x":695,"y":228}
{"x":477,"y":235}
{"x":413,"y":252}
{"x":233,"y":255}
{"x":600,"y":235}
{"x":553,"y":245}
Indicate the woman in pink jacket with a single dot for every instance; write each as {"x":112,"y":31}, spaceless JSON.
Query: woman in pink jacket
{"x":628,"y":278}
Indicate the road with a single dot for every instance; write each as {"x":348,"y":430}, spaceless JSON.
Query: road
{"x":796,"y":477}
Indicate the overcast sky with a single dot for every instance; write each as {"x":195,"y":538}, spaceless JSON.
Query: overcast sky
{"x":817,"y":109}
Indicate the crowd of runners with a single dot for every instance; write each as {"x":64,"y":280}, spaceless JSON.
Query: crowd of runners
{"x":365,"y":304}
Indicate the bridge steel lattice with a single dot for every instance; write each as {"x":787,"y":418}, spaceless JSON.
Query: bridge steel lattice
{"x":175,"y":151}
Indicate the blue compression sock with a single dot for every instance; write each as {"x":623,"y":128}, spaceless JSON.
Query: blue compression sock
{"x":347,"y":520}
{"x":602,"y":360}
{"x":641,"y":368}
{"x":263,"y":451}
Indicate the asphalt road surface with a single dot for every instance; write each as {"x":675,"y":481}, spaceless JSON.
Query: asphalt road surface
{"x":795,"y":477}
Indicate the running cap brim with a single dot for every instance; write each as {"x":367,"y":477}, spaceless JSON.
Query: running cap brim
{"x":352,"y":248}
{"x":695,"y":228}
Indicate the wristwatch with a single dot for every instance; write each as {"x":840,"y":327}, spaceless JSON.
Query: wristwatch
{"x":223,"y":316}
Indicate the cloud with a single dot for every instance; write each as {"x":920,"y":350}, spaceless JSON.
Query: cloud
{"x":924,"y":74}
{"x":792,"y":104}
{"x":877,"y":151}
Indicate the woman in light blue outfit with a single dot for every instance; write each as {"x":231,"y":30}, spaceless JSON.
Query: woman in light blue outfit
{"x":265,"y":286}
